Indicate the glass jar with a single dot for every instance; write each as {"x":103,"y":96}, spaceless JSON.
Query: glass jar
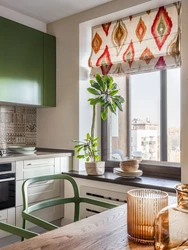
{"x":171,"y":223}
{"x":142,"y":207}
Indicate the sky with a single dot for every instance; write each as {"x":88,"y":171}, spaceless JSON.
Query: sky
{"x":145,"y":95}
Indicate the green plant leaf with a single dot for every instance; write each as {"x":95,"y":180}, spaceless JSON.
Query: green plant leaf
{"x":103,"y":98}
{"x":79,"y":149}
{"x":111,"y":82}
{"x":96,"y":139}
{"x":114,"y":86}
{"x":91,"y":138}
{"x":80,"y":156}
{"x":118,"y":104}
{"x":105,"y":106}
{"x":113,"y":92}
{"x":87,"y":159}
{"x":87,"y":136}
{"x":93,"y":91}
{"x":94,"y":101}
{"x":97,"y":158}
{"x":104,"y":115}
{"x":77,"y":146}
{"x":119,"y":98}
{"x":100,"y":81}
{"x":108,"y":80}
{"x":112,"y":109}
{"x":95,"y":85}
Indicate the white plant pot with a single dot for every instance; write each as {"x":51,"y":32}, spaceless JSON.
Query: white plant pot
{"x":95,"y":168}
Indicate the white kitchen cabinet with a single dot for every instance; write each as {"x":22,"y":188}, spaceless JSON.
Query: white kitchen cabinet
{"x":34,"y":168}
{"x":39,"y":191}
{"x":7,"y":216}
{"x":107,"y":192}
{"x":103,"y":191}
{"x":47,"y":214}
{"x":43,"y":190}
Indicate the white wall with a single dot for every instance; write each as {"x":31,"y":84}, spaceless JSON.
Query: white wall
{"x":23,"y":19}
{"x":58,"y":126}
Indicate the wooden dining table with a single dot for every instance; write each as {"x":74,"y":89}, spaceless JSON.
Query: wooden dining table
{"x":107,"y":230}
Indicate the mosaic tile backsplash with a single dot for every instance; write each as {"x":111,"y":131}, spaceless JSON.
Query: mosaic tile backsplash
{"x":17,"y":126}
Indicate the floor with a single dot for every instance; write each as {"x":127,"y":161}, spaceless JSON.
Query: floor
{"x":12,"y":238}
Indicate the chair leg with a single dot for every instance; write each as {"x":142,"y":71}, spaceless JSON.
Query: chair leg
{"x":24,"y":227}
{"x":76,"y":211}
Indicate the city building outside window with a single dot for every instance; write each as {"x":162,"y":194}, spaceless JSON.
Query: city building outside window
{"x":149,"y":125}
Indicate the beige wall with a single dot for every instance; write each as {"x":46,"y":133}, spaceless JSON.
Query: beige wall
{"x":58,"y":126}
{"x":184,"y":94}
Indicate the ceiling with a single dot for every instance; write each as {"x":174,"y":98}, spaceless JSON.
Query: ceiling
{"x":50,"y":10}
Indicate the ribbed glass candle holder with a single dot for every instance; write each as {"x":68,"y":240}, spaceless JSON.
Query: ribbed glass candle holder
{"x":142,"y":208}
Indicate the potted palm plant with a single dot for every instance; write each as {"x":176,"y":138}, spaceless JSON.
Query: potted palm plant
{"x":105,"y":94}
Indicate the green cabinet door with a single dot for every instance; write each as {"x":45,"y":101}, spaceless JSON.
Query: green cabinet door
{"x":21,"y":63}
{"x":49,"y":85}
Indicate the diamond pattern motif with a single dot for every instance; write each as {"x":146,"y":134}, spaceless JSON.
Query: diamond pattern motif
{"x":141,"y":30}
{"x":161,"y":27}
{"x":173,"y":48}
{"x":119,"y":35}
{"x":96,"y":43}
{"x":105,"y":61}
{"x":128,"y":56}
{"x":160,"y":63}
{"x":106,"y":27}
{"x":140,"y":42}
{"x":146,"y":55}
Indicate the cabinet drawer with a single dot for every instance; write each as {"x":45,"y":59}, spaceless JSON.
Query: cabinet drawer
{"x":39,"y":162}
{"x":3,"y":214}
{"x":39,"y":191}
{"x":40,"y":171}
{"x":8,"y":216}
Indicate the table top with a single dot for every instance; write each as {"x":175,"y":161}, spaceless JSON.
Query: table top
{"x":107,"y":230}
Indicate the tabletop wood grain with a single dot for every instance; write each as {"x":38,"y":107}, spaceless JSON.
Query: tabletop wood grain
{"x":104,"y":231}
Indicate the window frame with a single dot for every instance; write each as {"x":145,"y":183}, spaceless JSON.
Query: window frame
{"x":162,"y":168}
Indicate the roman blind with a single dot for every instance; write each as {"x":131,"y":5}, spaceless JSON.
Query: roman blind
{"x":142,"y":42}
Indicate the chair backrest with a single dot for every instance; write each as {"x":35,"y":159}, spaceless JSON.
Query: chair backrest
{"x":52,"y":202}
{"x":76,"y":199}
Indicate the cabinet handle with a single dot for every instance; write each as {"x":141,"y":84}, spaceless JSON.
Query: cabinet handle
{"x":38,"y":164}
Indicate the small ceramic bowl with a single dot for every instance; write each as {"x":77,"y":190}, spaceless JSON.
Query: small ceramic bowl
{"x":129,"y":165}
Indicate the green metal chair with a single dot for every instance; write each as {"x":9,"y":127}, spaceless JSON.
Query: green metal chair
{"x":76,"y":199}
{"x":23,"y":233}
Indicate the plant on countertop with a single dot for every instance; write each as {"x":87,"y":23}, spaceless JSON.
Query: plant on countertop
{"x":106,"y":95}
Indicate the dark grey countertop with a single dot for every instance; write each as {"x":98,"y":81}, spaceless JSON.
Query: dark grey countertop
{"x":142,"y":182}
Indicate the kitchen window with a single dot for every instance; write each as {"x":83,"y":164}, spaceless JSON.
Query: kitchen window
{"x":149,"y":125}
{"x":144,"y":51}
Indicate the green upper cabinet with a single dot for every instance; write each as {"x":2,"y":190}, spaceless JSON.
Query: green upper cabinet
{"x":21,"y":63}
{"x":49,"y":94}
{"x":26,"y":73}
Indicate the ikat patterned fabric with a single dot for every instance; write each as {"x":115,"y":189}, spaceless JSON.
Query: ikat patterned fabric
{"x":143,"y":42}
